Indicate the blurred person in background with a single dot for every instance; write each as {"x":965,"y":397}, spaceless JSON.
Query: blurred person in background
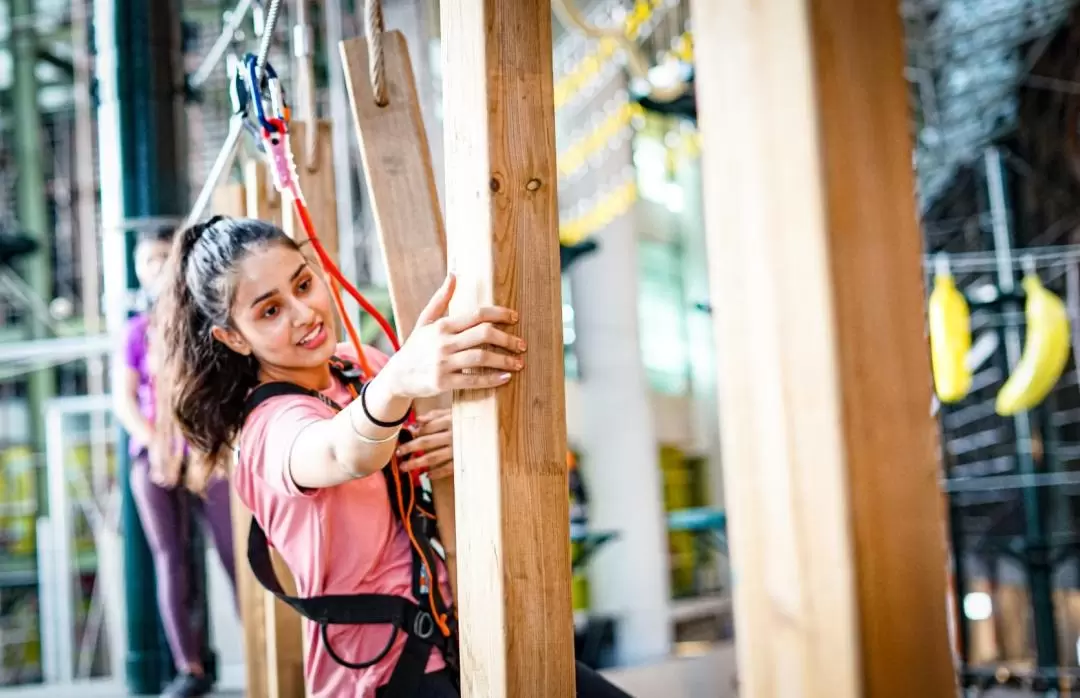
{"x":161,"y":479}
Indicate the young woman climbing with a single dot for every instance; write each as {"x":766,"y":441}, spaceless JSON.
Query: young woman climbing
{"x":157,"y":464}
{"x":256,"y":369}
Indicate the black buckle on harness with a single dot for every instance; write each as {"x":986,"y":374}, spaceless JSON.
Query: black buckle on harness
{"x":349,"y":370}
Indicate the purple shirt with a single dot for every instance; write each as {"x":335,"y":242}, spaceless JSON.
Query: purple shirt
{"x":136,"y":351}
{"x":137,"y":358}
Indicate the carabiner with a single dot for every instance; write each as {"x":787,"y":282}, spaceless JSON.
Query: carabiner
{"x":274,"y":123}
{"x":239,"y":94}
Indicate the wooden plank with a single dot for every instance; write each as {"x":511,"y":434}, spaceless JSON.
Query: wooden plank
{"x":400,"y":178}
{"x":229,"y":200}
{"x":830,"y":453}
{"x":250,"y":598}
{"x":510,"y":444}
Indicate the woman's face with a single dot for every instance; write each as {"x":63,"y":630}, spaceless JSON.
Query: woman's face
{"x":150,"y":256}
{"x":281,"y":311}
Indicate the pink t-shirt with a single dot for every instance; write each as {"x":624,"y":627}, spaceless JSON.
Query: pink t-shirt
{"x":338,"y":540}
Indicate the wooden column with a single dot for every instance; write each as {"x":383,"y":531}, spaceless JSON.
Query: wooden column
{"x":831,"y":466}
{"x":510,"y":444}
{"x":401,"y":182}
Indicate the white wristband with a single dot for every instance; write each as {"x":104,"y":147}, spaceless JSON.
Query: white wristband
{"x":367,"y":439}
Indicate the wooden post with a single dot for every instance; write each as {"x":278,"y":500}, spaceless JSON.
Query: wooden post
{"x":510,"y":444}
{"x":397,"y":164}
{"x":831,"y":465}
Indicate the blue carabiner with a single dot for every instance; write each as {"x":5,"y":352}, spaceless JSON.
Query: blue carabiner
{"x":256,"y":95}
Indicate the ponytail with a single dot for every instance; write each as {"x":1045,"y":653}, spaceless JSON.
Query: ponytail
{"x":206,"y":382}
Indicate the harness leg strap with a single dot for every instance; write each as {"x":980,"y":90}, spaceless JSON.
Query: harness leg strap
{"x":409,"y":672}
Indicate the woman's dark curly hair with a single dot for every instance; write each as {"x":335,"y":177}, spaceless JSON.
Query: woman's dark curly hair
{"x":208,"y":382}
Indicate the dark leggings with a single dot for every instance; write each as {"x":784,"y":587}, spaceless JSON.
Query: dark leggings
{"x":164,"y":514}
{"x":589,"y":685}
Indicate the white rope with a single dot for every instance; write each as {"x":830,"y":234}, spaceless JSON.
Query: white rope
{"x":267,"y":35}
{"x":374,"y":27}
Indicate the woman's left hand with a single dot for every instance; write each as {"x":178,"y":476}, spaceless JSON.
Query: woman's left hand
{"x":432,"y":435}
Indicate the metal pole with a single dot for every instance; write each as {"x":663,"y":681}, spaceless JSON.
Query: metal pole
{"x":142,"y":163}
{"x":33,"y":203}
{"x":63,"y":648}
{"x":1036,"y":552}
{"x":222,"y":164}
{"x":233,"y":20}
{"x":86,"y":223}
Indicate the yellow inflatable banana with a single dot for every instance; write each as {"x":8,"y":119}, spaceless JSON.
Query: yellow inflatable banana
{"x":1046,"y":351}
{"x":950,"y":339}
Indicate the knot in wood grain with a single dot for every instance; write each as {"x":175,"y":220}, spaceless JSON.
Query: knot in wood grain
{"x":533,"y":184}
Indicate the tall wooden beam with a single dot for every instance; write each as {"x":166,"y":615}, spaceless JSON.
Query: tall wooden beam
{"x":510,"y":444}
{"x":838,"y":535}
{"x":401,"y":181}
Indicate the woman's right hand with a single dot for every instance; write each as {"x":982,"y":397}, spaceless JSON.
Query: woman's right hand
{"x":444,"y":353}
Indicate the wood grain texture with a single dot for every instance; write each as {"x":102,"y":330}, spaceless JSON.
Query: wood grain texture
{"x":401,"y":182}
{"x":837,"y":527}
{"x":249,"y":595}
{"x":229,"y":199}
{"x":510,"y":444}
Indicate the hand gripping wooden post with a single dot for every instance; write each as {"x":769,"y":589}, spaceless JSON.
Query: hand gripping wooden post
{"x":401,"y":182}
{"x":513,"y":584}
{"x":502,"y":218}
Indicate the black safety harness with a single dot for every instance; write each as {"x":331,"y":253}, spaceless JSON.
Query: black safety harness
{"x":429,"y":622}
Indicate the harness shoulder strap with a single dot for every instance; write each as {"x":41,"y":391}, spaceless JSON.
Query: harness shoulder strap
{"x":266,"y":391}
{"x":343,"y":370}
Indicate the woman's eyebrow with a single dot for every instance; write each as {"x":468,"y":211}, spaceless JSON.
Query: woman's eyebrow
{"x":259,"y":299}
